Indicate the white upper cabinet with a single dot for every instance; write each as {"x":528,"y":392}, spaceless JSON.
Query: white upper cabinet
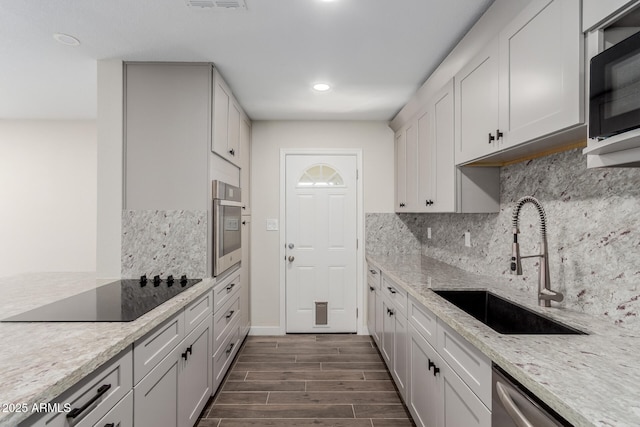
{"x":526,"y":85}
{"x":227,"y":119}
{"x":541,"y":64}
{"x":245,"y":167}
{"x":477,"y":97}
{"x":427,"y":178}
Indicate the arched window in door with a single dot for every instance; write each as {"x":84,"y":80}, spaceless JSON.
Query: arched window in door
{"x":320,"y":175}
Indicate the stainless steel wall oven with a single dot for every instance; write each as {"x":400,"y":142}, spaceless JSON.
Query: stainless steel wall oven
{"x":227,"y":217}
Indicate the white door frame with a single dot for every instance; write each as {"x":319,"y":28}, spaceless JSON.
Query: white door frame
{"x":284,"y":152}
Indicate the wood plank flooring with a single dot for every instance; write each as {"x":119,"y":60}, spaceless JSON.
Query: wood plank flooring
{"x":307,"y":380}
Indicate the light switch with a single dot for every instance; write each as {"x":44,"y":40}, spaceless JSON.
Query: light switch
{"x":272,"y":224}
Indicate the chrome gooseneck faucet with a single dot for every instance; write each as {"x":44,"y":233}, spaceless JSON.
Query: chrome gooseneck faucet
{"x":545,"y":294}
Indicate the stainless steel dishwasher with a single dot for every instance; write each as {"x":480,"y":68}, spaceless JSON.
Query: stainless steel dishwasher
{"x":515,"y":406}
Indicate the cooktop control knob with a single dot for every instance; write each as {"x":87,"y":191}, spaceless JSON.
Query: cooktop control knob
{"x":170,"y":280}
{"x":183,"y":280}
{"x":143,"y":280}
{"x":156,"y":280}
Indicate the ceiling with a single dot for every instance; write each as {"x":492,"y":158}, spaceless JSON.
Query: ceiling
{"x":374,"y":53}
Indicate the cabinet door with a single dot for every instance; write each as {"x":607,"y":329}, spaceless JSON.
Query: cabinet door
{"x":221,"y":103}
{"x":196,"y":374}
{"x":388,"y":332}
{"x":400,"y":361}
{"x":541,"y":57}
{"x":156,"y":396}
{"x":424,"y":398}
{"x":461,"y":407}
{"x":411,"y":167}
{"x":245,"y":168}
{"x":245,"y":277}
{"x":476,"y":100}
{"x":443,"y":184}
{"x":371,"y":312}
{"x":426,"y":167}
{"x":401,"y":173}
{"x":233,"y":137}
{"x":380,"y":315}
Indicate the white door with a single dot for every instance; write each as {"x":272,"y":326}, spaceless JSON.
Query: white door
{"x":321,"y":214}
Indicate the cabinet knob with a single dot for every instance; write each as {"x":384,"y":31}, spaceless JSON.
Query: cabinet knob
{"x":431,"y":364}
{"x":190,"y":349}
{"x":371,"y":288}
{"x":435,"y":370}
{"x":232,"y":152}
{"x":429,"y":202}
{"x":228,"y":316}
{"x":499,"y":134}
{"x":185,"y":356}
{"x":491,"y":138}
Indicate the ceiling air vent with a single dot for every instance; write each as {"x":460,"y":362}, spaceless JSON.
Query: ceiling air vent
{"x":217,"y":4}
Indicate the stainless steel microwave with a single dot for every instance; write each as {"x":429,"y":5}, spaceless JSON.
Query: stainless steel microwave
{"x":227,"y":228}
{"x":614,"y":89}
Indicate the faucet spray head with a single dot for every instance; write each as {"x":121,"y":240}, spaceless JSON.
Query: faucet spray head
{"x":516,"y":262}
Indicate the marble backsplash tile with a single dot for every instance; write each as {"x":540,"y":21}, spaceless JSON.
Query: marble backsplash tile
{"x":593,"y":229}
{"x":386,"y":234}
{"x":164,"y":242}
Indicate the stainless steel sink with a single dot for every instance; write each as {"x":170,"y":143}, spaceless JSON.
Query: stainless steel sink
{"x":504,"y":316}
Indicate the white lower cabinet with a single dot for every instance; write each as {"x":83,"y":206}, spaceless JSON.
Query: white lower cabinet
{"x":400,"y":347}
{"x":437,"y":397}
{"x":394,"y":339}
{"x":425,"y":385}
{"x":443,"y":379}
{"x":176,"y":390}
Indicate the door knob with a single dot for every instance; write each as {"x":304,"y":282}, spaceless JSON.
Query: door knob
{"x":291,"y":258}
{"x":291,"y":245}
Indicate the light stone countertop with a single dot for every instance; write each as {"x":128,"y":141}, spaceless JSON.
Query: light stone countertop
{"x":39,"y":361}
{"x":591,"y":380}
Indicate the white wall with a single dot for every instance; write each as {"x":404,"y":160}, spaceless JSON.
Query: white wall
{"x":376,"y":141}
{"x":47,"y":196}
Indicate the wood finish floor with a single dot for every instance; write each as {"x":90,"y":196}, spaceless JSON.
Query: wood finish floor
{"x":307,"y":380}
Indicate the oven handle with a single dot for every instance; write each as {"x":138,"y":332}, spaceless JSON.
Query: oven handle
{"x":220,"y":202}
{"x":510,"y":406}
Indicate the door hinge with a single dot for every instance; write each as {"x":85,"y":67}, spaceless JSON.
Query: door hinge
{"x":357,"y":174}
{"x":356,"y":313}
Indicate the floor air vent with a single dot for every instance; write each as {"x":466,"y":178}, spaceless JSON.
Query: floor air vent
{"x":217,"y":4}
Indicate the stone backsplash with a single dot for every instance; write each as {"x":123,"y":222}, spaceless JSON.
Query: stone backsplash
{"x":164,"y":242}
{"x":593,"y":229}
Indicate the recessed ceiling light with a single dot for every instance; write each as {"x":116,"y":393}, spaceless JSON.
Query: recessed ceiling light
{"x":321,"y":87}
{"x":66,"y":39}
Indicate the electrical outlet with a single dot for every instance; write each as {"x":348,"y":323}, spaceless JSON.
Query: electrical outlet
{"x":272,"y":225}
{"x":467,"y":239}
{"x":428,"y":232}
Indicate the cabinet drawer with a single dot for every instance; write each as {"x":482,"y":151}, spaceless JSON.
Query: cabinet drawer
{"x":423,"y":320}
{"x":396,"y":295}
{"x":373,"y":276}
{"x":223,"y":358}
{"x":223,"y":321}
{"x":224,"y":290}
{"x":197,"y":311}
{"x":473,"y":367}
{"x":149,"y":350}
{"x":115,"y":377}
{"x":121,"y":415}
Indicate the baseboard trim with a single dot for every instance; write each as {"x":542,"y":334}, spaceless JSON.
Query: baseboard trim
{"x":265,"y":330}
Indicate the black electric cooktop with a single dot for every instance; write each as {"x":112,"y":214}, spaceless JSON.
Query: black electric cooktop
{"x":120,"y":301}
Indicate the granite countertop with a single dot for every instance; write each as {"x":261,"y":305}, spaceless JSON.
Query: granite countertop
{"x":591,"y":380}
{"x":39,"y":361}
